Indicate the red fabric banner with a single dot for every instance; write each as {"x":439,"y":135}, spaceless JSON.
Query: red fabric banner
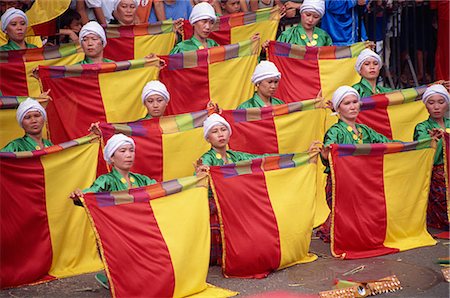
{"x":141,"y":242}
{"x":250,"y":211}
{"x":359,"y":235}
{"x":24,"y":227}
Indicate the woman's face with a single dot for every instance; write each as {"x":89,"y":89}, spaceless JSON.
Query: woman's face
{"x":123,"y":157}
{"x":156,"y":105}
{"x":202,"y":28}
{"x":437,"y":106}
{"x":370,"y":69}
{"x":33,"y":122}
{"x":219,"y":136}
{"x":309,"y":19}
{"x":92,"y":45}
{"x":268,"y":87}
{"x":349,"y":107}
{"x":16,"y":29}
{"x":126,"y":12}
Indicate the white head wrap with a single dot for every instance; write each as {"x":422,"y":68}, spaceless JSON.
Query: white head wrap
{"x":26,"y":106}
{"x":213,"y":120}
{"x":114,"y":143}
{"x":93,"y":27}
{"x":436,"y":89}
{"x":117,"y":2}
{"x":155,"y":87}
{"x":317,"y":6}
{"x":265,"y":70}
{"x":202,"y":11}
{"x":10,"y":14}
{"x":341,"y":93}
{"x":366,"y":53}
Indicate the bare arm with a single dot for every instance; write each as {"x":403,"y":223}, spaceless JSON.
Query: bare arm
{"x":81,"y":9}
{"x":159,"y":10}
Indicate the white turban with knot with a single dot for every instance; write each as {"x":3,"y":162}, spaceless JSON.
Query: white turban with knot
{"x":114,"y":143}
{"x":117,"y":2}
{"x":436,"y":90}
{"x":213,"y":120}
{"x":93,"y":27}
{"x":341,"y":93}
{"x":317,"y":6}
{"x":10,"y":14}
{"x":265,"y":70}
{"x":202,"y":11}
{"x":155,"y":87}
{"x":366,"y":53}
{"x":29,"y":105}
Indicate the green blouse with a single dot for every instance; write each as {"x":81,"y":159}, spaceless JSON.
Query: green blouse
{"x":365,"y":89}
{"x":421,"y":132}
{"x":192,"y":44}
{"x":257,"y":102}
{"x":88,"y":60}
{"x":11,"y":45}
{"x":297,"y":35}
{"x":340,"y":134}
{"x":25,"y":143}
{"x":212,"y":158}
{"x":114,"y":181}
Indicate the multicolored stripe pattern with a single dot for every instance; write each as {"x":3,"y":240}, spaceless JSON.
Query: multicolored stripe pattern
{"x":116,"y":31}
{"x":212,"y":55}
{"x":255,"y":114}
{"x":396,"y":97}
{"x":36,"y":54}
{"x":380,"y":149}
{"x":11,"y":102}
{"x":166,"y":124}
{"x":316,"y":53}
{"x":56,"y":72}
{"x":268,"y":163}
{"x":372,"y":214}
{"x":147,"y":193}
{"x":51,"y":149}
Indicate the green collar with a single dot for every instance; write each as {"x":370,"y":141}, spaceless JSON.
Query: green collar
{"x":259,"y":100}
{"x":305,"y":37}
{"x":119,"y":177}
{"x":197,"y":42}
{"x":365,"y":83}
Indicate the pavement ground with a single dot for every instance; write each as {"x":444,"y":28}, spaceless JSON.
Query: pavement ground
{"x":416,"y":269}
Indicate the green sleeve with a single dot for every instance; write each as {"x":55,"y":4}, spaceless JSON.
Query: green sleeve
{"x":284,"y":37}
{"x":421,"y":132}
{"x":176,"y":49}
{"x":245,"y":105}
{"x":214,"y":43}
{"x":11,"y":147}
{"x":240,"y":156}
{"x":333,"y":136}
{"x":376,"y":137}
{"x":101,"y":184}
{"x":146,"y":180}
{"x":328,"y":40}
{"x":209,"y":160}
{"x":358,"y":87}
